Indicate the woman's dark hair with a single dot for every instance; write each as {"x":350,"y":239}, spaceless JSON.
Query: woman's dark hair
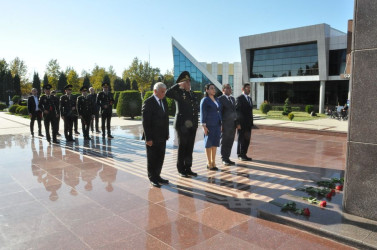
{"x":207,"y":88}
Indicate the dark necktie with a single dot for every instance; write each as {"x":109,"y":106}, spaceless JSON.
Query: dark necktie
{"x":248,"y":99}
{"x":230,"y":99}
{"x":162,"y":106}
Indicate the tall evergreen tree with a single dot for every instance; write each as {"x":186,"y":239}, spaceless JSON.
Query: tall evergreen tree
{"x":106,"y":80}
{"x":119,"y":84}
{"x":8,"y":86}
{"x":17,"y":85}
{"x":37,"y":82}
{"x":45,"y":80}
{"x":134,"y":85}
{"x":3,"y":71}
{"x":128,"y":84}
{"x":62,"y":82}
{"x":86,"y":82}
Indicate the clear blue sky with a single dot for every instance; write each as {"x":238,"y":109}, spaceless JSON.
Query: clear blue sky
{"x":83,"y":33}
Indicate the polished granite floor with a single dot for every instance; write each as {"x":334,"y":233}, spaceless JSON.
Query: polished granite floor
{"x":96,"y":195}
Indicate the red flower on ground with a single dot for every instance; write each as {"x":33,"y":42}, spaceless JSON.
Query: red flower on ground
{"x":323,"y":204}
{"x":306,"y":212}
{"x":329,"y":195}
{"x":332,"y":192}
{"x":339,"y":187}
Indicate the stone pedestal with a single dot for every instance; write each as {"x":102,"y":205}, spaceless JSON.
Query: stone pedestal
{"x":360,"y":193}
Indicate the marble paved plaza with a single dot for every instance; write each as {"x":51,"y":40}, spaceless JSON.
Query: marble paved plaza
{"x":96,"y":195}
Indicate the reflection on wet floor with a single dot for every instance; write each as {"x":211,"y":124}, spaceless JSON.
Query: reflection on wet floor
{"x":95,"y":194}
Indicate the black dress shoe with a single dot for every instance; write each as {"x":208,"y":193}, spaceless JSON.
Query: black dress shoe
{"x":32,"y":134}
{"x":41,"y":135}
{"x":163,"y":181}
{"x":244,"y":158}
{"x":231,"y":162}
{"x":97,"y":131}
{"x":189,"y":172}
{"x":56,"y":141}
{"x":58,"y":134}
{"x":226,"y":162}
{"x":183,"y":175}
{"x":77,"y":132}
{"x":155,"y":183}
{"x":110,"y":136}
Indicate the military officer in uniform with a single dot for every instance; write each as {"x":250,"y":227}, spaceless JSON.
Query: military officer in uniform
{"x":186,"y":122}
{"x":105,"y":100}
{"x":85,"y":111}
{"x":47,"y":104}
{"x":57,"y":126}
{"x":93,"y":97}
{"x":68,"y":111}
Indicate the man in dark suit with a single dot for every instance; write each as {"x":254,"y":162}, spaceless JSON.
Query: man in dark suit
{"x":34,"y":112}
{"x":105,"y":100}
{"x":229,"y":124}
{"x":68,"y":111}
{"x":47,"y":104}
{"x":156,"y":132}
{"x":244,"y":108}
{"x":186,"y":121}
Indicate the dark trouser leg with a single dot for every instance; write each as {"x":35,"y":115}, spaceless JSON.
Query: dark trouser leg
{"x":83,"y":126}
{"x":75,"y":122}
{"x":39,"y":121}
{"x":46,"y":122}
{"x":103,"y":118}
{"x":185,"y":147}
{"x":108,"y":124}
{"x":32,"y":120}
{"x":57,"y":124}
{"x":97,"y":121}
{"x":227,"y":139}
{"x":53,"y":127}
{"x":243,"y":141}
{"x":155,"y":159}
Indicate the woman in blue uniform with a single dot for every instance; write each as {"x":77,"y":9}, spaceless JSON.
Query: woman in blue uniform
{"x":210,"y":118}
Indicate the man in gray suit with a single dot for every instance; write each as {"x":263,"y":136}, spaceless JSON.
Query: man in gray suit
{"x":229,"y":123}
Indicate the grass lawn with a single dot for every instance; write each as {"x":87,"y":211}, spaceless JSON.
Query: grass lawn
{"x":299,"y":116}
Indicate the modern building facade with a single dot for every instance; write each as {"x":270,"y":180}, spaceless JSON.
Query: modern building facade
{"x":203,"y":73}
{"x":306,"y":64}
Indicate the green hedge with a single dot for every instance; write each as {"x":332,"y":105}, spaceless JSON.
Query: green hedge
{"x":309,"y":108}
{"x":171,"y":106}
{"x":22,"y":110}
{"x":12,"y":109}
{"x":116,"y":98}
{"x":265,"y":107}
{"x":129,"y":103}
{"x":3,"y":106}
{"x":16,"y":99}
{"x":147,"y":95}
{"x":281,"y":108}
{"x":23,"y":103}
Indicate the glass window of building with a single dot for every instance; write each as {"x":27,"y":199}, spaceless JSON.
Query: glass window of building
{"x":293,"y":60}
{"x":337,"y":62}
{"x":220,"y":79}
{"x":182,"y":63}
{"x":231,"y":80}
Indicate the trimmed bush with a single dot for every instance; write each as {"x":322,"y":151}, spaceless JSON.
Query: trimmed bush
{"x":265,"y":107}
{"x":23,"y":103}
{"x":309,"y":108}
{"x":129,"y":103}
{"x":18,"y":109}
{"x":22,"y":110}
{"x":16,"y":99}
{"x":171,"y":106}
{"x":281,"y":108}
{"x":116,"y":98}
{"x":147,"y":95}
{"x":3,"y":106}
{"x":287,"y":107}
{"x":12,"y":109}
{"x":291,"y":116}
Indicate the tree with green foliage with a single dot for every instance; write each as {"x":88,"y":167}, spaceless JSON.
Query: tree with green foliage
{"x":97,"y":76}
{"x":17,"y":85}
{"x":134,"y":85}
{"x":18,"y":67}
{"x":3,"y":71}
{"x":106,"y":80}
{"x":8,"y":85}
{"x":168,"y":79}
{"x":119,"y":84}
{"x":62,"y":82}
{"x":129,"y":104}
{"x":287,"y":107}
{"x":86,"y":82}
{"x":37,"y":82}
{"x":73,"y":79}
{"x":128,"y":84}
{"x":53,"y":72}
{"x":45,"y":80}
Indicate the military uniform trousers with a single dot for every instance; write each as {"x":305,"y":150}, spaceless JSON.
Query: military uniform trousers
{"x":85,"y":125}
{"x":186,"y":140}
{"x":68,"y":124}
{"x":47,"y":120}
{"x":106,"y":118}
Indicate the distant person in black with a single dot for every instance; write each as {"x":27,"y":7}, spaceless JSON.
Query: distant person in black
{"x":57,"y":126}
{"x":34,"y":112}
{"x":156,"y":132}
{"x":105,"y":100}
{"x":185,"y":123}
{"x":47,"y":104}
{"x":85,"y":111}
{"x":244,"y":108}
{"x":68,"y":111}
{"x":93,"y":98}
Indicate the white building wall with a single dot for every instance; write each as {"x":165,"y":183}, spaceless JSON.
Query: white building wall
{"x":260,"y":94}
{"x":237,"y":79}
{"x":214,"y":69}
{"x":225,"y":73}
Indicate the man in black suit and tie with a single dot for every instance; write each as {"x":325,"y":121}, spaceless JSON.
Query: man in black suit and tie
{"x":244,"y":109}
{"x":229,"y":124}
{"x":185,"y":123}
{"x":34,"y":112}
{"x":156,"y":132}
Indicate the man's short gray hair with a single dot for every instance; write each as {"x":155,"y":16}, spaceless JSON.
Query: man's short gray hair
{"x":159,"y":85}
{"x":90,"y":89}
{"x":33,"y":89}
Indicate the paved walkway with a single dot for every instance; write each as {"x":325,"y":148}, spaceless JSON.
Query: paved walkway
{"x":95,"y":195}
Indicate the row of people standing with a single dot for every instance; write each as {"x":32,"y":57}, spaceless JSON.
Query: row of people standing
{"x":88,"y":107}
{"x":219,"y":117}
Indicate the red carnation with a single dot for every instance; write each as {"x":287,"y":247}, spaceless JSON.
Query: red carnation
{"x":339,"y":187}
{"x":306,"y":212}
{"x":322,"y":204}
{"x":332,"y":191}
{"x":329,"y":195}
